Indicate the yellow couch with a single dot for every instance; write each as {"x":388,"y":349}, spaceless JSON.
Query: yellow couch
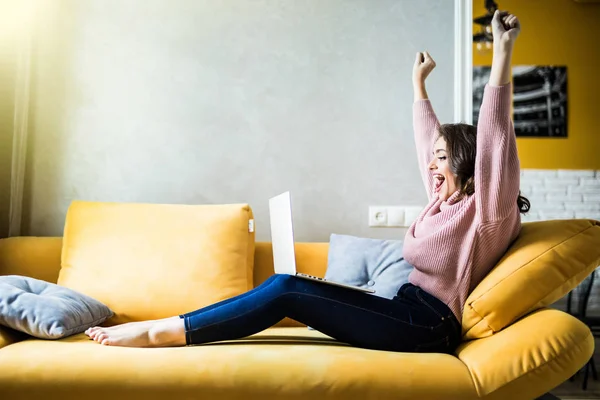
{"x":515,"y":347}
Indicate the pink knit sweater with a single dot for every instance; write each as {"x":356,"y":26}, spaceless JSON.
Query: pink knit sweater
{"x":453,"y":244}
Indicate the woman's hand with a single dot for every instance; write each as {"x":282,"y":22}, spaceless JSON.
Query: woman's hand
{"x":424,"y":64}
{"x":505,"y":28}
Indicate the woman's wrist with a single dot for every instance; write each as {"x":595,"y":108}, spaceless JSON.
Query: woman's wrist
{"x":503,"y":48}
{"x":418,"y":84}
{"x":501,"y":68}
{"x":420,"y":91}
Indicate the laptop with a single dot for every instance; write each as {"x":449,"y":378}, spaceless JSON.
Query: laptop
{"x":282,"y":238}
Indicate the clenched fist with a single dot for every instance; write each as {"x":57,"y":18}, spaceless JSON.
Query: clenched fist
{"x":424,"y":64}
{"x":505,"y":28}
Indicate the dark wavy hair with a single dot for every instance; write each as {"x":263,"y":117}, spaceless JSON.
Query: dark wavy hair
{"x":461,"y":146}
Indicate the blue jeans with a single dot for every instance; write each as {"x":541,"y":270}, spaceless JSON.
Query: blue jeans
{"x":413,"y":321}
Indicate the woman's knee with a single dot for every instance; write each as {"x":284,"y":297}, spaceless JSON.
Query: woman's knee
{"x":281,"y":281}
{"x":285,"y":280}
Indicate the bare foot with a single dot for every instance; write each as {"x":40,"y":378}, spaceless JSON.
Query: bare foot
{"x":160,"y":333}
{"x":95,"y":331}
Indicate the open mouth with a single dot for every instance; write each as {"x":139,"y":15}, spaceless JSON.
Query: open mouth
{"x":439,"y":181}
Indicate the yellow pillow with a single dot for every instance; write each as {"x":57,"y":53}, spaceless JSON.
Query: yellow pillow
{"x":149,"y":261}
{"x":547,"y":260}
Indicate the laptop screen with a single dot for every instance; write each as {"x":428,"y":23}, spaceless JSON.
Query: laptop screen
{"x":282,"y":234}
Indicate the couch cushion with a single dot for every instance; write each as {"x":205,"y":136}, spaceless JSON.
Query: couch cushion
{"x":46,"y":310}
{"x":149,"y":261}
{"x":280,"y":363}
{"x":369,"y":263}
{"x":547,"y":260}
{"x":540,"y":351}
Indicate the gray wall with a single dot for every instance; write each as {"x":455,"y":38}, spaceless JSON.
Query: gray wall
{"x":205,"y":102}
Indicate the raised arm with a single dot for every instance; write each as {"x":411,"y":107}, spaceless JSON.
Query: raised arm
{"x":425,"y":122}
{"x":505,"y":28}
{"x":497,"y":169}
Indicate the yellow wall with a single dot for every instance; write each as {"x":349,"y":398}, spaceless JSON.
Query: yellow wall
{"x":560,"y":32}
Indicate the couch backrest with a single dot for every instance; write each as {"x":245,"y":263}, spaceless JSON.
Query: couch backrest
{"x":547,"y":260}
{"x":36,"y":257}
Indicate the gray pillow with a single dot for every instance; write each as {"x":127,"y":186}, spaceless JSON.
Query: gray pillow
{"x":46,"y":310}
{"x":372,"y":263}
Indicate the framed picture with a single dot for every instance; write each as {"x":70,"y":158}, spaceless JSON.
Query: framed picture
{"x":481,"y":76}
{"x":539,"y":99}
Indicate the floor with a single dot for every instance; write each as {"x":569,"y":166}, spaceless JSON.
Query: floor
{"x":573,"y":391}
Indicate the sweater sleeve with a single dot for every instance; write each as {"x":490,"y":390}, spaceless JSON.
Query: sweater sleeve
{"x":425,"y":125}
{"x":497,"y":169}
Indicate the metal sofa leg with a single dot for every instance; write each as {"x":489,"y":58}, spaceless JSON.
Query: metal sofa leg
{"x":586,"y":375}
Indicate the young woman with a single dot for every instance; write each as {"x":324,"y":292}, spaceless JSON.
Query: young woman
{"x":472,"y":179}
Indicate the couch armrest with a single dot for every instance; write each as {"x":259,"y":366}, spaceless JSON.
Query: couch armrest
{"x":10,"y":336}
{"x":37,"y":257}
{"x":528,"y":358}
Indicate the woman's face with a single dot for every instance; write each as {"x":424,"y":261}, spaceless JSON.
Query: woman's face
{"x":439,"y":167}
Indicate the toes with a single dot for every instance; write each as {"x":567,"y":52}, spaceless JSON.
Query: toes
{"x":100,"y":337}
{"x":95,"y":333}
{"x":92,"y":331}
{"x":101,"y":331}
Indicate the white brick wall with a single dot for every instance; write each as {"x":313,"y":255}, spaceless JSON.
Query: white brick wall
{"x":564,"y":194}
{"x":561,"y":194}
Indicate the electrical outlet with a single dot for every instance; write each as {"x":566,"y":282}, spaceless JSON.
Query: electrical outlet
{"x":378,"y":216}
{"x":393,"y":216}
